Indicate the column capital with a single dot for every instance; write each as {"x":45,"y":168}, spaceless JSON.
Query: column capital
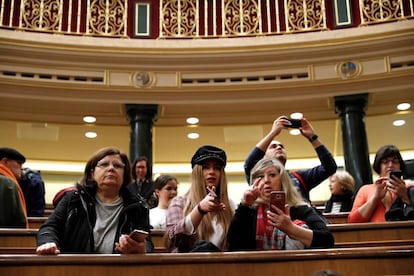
{"x":351,"y":103}
{"x":136,"y":112}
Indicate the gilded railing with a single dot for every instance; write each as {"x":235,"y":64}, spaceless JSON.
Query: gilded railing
{"x":229,"y":18}
{"x":90,"y":17}
{"x":195,"y":18}
{"x":377,"y":11}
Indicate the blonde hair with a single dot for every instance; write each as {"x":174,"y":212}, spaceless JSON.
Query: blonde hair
{"x":293,"y":198}
{"x":197,"y":192}
{"x":345,"y":179}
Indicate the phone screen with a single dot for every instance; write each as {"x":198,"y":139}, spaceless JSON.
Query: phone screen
{"x":139,"y":235}
{"x":396,"y":173}
{"x":278,"y":199}
{"x":295,"y":123}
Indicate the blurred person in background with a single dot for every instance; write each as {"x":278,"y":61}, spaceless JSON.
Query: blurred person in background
{"x":143,"y":184}
{"x":12,"y":203}
{"x":341,"y":185}
{"x":33,"y":188}
{"x":165,"y":189}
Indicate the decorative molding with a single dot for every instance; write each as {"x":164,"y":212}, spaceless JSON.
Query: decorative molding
{"x":143,"y":79}
{"x":349,"y":69}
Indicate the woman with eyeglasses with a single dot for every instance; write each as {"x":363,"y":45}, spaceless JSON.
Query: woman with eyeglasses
{"x":373,"y":201}
{"x":99,"y":215}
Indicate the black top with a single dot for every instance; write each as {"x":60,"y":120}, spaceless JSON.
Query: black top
{"x":145,"y":189}
{"x":242,"y":231}
{"x":346,"y":201}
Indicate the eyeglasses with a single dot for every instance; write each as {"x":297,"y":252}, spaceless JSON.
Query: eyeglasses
{"x":394,"y":161}
{"x":116,"y":165}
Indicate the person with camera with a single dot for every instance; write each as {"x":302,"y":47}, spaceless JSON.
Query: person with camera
{"x":273,"y":215}
{"x":304,"y":180}
{"x":389,"y":197}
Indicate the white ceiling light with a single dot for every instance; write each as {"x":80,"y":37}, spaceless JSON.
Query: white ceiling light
{"x":192,"y":120}
{"x":294,"y":132}
{"x":91,"y":134}
{"x":296,"y":115}
{"x":398,"y":123}
{"x":403,"y":106}
{"x":193,"y":135}
{"x":89,"y":119}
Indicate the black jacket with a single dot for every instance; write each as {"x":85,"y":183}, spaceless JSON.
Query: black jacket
{"x":242,"y":231}
{"x":400,"y":210}
{"x":146,"y":192}
{"x":70,"y":226}
{"x":346,"y":202}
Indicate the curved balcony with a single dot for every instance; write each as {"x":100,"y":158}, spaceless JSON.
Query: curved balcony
{"x":236,"y":82}
{"x":197,"y":18}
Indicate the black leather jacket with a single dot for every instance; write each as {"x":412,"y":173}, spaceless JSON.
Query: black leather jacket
{"x":71,"y":224}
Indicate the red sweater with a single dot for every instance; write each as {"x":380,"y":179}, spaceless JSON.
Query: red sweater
{"x":362,"y":196}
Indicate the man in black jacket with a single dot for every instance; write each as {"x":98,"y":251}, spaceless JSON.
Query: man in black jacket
{"x":304,"y":180}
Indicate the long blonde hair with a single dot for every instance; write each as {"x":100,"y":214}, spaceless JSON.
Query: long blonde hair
{"x":197,"y":192}
{"x":293,"y":198}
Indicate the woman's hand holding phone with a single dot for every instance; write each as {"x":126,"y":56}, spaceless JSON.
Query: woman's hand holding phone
{"x":278,"y":214}
{"x":132,"y":243}
{"x":139,"y":235}
{"x":278,"y":199}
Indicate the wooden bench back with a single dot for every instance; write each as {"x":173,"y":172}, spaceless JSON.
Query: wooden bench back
{"x":346,"y":235}
{"x":396,"y":260}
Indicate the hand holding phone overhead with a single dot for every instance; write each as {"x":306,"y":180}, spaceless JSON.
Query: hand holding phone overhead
{"x":294,"y":123}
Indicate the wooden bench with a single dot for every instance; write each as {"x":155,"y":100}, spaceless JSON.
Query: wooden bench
{"x":350,"y":234}
{"x":335,"y":218}
{"x":346,"y":235}
{"x":18,"y":237}
{"x":49,"y":208}
{"x":19,"y":240}
{"x":396,"y":260}
{"x":36,"y":222}
{"x":158,"y":240}
{"x":373,"y":232}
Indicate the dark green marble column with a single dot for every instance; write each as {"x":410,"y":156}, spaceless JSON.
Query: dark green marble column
{"x":351,"y":110}
{"x":141,"y":118}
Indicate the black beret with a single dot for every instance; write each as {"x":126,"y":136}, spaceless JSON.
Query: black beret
{"x":12,"y":154}
{"x":209,"y":152}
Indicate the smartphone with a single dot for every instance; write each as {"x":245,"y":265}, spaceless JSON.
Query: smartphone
{"x":295,"y":123}
{"x":210,"y":190}
{"x":278,"y":199}
{"x":396,"y":173}
{"x":139,"y":235}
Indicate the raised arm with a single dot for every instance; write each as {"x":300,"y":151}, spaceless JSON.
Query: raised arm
{"x":259,"y":151}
